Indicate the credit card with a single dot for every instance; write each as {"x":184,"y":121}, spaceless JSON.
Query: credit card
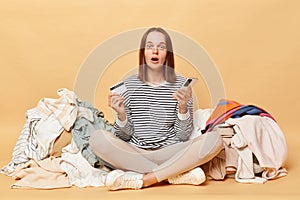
{"x":118,"y":88}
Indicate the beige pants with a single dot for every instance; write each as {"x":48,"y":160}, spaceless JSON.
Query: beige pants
{"x":164,"y":162}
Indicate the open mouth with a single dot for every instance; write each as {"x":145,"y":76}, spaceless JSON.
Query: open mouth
{"x":154,"y":59}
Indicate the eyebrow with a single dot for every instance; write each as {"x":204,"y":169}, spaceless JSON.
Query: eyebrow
{"x":159,"y":43}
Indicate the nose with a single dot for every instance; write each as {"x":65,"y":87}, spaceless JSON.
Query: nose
{"x":155,"y":50}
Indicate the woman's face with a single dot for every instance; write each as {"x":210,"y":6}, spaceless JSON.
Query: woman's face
{"x":155,"y":50}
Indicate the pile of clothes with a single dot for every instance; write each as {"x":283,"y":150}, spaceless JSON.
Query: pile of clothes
{"x":255,"y":148}
{"x":53,"y":151}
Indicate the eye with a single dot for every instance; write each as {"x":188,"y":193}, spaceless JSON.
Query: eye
{"x":149,"y":46}
{"x":162,"y":47}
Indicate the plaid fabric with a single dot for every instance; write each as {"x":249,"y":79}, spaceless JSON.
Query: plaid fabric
{"x":226,"y":109}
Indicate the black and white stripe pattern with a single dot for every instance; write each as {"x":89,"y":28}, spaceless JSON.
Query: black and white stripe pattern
{"x":152,"y":115}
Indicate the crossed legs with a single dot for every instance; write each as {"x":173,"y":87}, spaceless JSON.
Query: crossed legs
{"x":159,"y":164}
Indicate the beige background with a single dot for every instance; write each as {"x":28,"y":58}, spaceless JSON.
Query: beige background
{"x":255,"y":45}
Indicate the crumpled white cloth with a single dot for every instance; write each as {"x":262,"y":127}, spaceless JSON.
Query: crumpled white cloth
{"x":44,"y":124}
{"x":245,"y":169}
{"x":64,"y":108}
{"x":200,"y":117}
{"x":265,"y":140}
{"x":79,"y":171}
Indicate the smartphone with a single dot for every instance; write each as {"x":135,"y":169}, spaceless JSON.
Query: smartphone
{"x":118,"y":88}
{"x":189,"y":81}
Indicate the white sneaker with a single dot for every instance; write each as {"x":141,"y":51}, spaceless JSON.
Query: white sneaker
{"x":118,"y":179}
{"x":194,"y":177}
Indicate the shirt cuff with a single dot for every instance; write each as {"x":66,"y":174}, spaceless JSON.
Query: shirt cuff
{"x":184,"y":116}
{"x":121,"y":123}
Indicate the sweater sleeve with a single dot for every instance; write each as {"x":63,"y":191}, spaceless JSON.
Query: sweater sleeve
{"x":124,"y":132}
{"x":184,"y":123}
{"x":124,"y":129}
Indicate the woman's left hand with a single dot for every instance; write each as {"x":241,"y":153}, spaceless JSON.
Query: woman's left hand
{"x":183,"y":95}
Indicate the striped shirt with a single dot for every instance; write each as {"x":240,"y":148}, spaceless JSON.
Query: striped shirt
{"x":152,"y":115}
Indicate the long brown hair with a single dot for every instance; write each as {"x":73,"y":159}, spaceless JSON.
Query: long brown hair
{"x":169,"y":66}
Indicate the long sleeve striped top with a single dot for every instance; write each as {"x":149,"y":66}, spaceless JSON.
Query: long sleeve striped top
{"x":152,"y":115}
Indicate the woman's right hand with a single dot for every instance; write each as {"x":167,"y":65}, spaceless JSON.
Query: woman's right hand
{"x":116,"y":102}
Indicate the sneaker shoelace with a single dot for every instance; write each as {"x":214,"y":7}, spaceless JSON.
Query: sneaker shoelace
{"x":133,"y":184}
{"x":194,"y":176}
{"x":128,"y":181}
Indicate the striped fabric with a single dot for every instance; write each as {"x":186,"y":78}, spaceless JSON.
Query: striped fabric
{"x":43,"y":125}
{"x":152,"y":120}
{"x":226,"y":109}
{"x":26,"y":144}
{"x":65,"y":108}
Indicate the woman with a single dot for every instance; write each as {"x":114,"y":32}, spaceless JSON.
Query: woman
{"x":153,"y":124}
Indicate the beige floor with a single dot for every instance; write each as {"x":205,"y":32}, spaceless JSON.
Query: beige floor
{"x":278,"y":189}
